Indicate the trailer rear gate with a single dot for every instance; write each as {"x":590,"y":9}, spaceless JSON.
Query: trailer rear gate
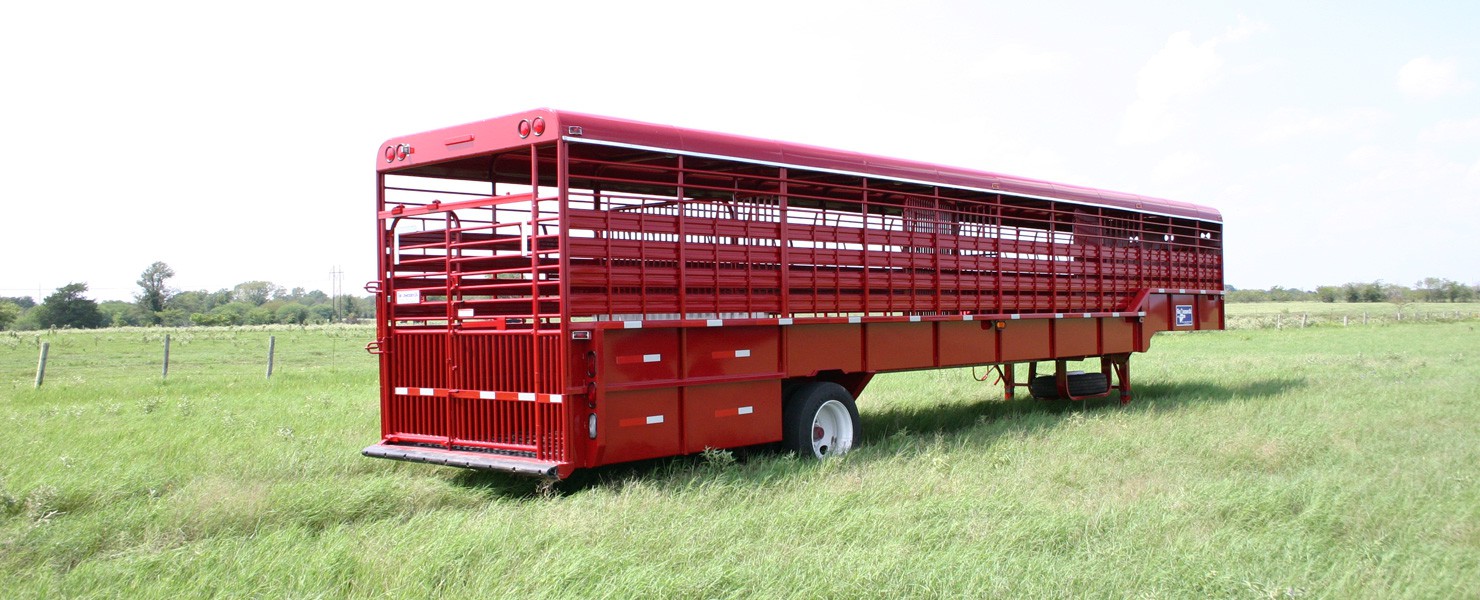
{"x":537,"y":290}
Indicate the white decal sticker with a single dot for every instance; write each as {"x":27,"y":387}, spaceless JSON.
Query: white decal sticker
{"x":408,"y":296}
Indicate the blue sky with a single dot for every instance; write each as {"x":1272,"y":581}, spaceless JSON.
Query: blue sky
{"x":1341,"y":141}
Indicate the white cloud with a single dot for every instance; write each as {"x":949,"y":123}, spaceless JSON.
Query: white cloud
{"x":1472,"y":178}
{"x":1426,"y":77}
{"x":1181,"y":70}
{"x":1289,"y":123}
{"x":1451,"y":130}
{"x":1012,"y":59}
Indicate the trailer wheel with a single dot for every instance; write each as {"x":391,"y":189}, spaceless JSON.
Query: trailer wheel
{"x":1043,"y":387}
{"x":819,"y":419}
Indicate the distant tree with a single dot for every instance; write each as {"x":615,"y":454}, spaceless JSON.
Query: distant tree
{"x":1329,"y":293}
{"x":25,"y":302}
{"x":117,"y":313}
{"x":261,"y":315}
{"x":322,"y":313}
{"x":9,"y":312}
{"x":1430,"y":289}
{"x":255,"y":293}
{"x":68,"y":308}
{"x":1455,"y":291}
{"x":292,"y":314}
{"x":153,"y":291}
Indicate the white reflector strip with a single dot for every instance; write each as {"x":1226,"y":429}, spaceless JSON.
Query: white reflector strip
{"x":854,"y":319}
{"x":1086,"y":315}
{"x":1181,"y":291}
{"x":464,"y":312}
{"x":715,"y":322}
{"x":526,"y":396}
{"x":1058,"y":315}
{"x":426,"y":392}
{"x":402,"y":391}
{"x":965,"y":317}
{"x":745,"y":410}
{"x":652,"y":357}
{"x":488,"y":395}
{"x":742,"y":353}
{"x":914,"y":318}
{"x":786,"y":321}
{"x":631,"y":324}
{"x":1115,"y":314}
{"x":655,"y":419}
{"x":1017,"y":317}
{"x":556,"y":398}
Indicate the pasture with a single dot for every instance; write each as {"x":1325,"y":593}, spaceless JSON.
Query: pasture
{"x":1297,"y":462}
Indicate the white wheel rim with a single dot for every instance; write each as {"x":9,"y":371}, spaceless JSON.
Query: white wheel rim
{"x":832,"y":429}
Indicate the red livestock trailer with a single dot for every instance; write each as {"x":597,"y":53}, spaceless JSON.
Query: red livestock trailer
{"x":559,"y":290}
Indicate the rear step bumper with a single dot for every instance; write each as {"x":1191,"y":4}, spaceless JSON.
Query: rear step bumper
{"x":468,"y":460}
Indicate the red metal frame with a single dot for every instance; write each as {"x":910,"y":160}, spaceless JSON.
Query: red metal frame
{"x":666,"y":283}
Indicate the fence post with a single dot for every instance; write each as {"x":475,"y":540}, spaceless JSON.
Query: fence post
{"x":1364,"y":317}
{"x":271,"y":348}
{"x":41,"y":363}
{"x":1343,"y":320}
{"x":1303,"y":318}
{"x":164,"y":373}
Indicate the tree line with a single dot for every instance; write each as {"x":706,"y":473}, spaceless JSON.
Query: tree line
{"x":1430,"y":289}
{"x":247,"y":303}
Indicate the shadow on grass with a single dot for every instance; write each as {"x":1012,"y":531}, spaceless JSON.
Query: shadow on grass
{"x":879,"y":426}
{"x":949,"y":418}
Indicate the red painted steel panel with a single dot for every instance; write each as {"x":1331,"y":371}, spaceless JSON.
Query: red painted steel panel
{"x":1025,"y":339}
{"x":1118,"y":335}
{"x":731,"y":350}
{"x":1158,"y":310}
{"x":813,"y":348}
{"x":1076,"y":337}
{"x":1210,"y":312}
{"x":630,"y":355}
{"x":967,"y":343}
{"x":638,"y":424}
{"x":731,"y":415}
{"x":898,"y":346}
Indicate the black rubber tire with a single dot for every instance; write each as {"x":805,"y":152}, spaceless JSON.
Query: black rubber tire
{"x":799,"y":410}
{"x":1044,"y":387}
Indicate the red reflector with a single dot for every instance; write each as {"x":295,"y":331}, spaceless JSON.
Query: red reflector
{"x":539,"y":125}
{"x":390,"y":153}
{"x":524,"y":128}
{"x":401,"y":152}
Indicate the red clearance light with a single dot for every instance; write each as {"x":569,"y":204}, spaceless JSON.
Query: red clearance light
{"x":524,"y":128}
{"x":390,"y":153}
{"x":539,"y":125}
{"x":402,"y":151}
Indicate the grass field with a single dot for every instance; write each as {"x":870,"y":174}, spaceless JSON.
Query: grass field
{"x":1278,"y":315}
{"x":1327,"y":462}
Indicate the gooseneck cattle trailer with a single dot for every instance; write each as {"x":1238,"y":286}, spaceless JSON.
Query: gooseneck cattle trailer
{"x":559,"y":291}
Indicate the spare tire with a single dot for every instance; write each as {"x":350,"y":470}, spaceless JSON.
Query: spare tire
{"x":1044,"y":387}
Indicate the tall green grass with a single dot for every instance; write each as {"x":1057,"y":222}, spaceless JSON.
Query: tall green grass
{"x":1320,"y":462}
